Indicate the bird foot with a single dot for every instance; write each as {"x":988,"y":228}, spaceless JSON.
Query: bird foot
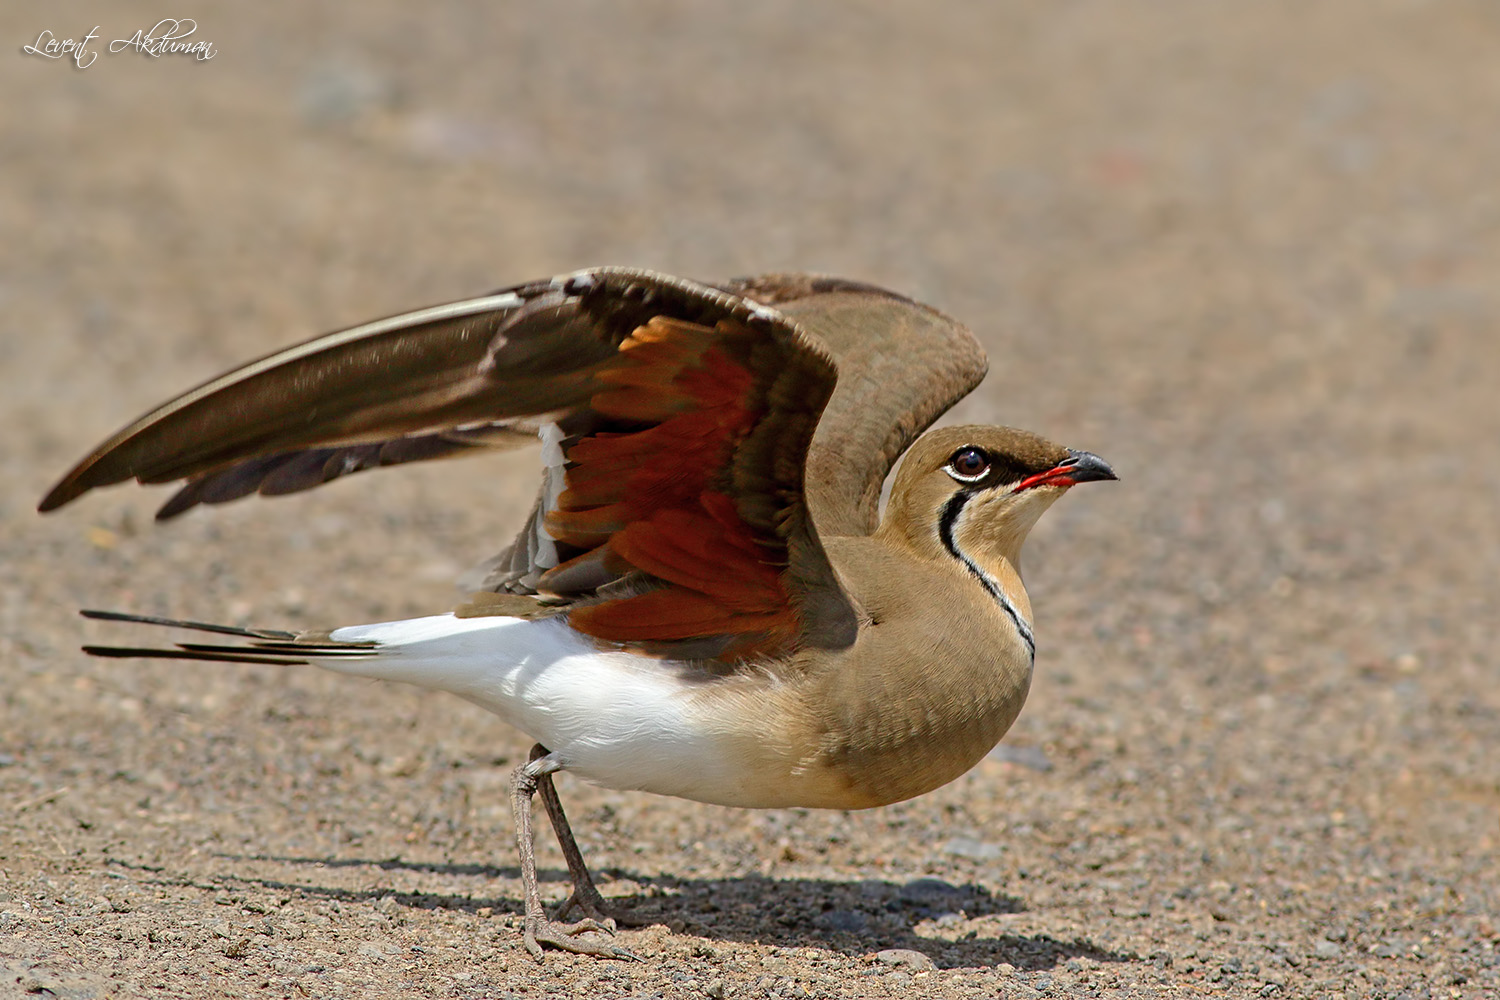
{"x":590,"y":904}
{"x":571,"y":937}
{"x":589,"y":911}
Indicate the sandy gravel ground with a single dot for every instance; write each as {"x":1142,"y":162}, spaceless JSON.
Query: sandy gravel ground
{"x":1247,"y":252}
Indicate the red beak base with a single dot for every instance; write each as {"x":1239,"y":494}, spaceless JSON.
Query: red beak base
{"x":1078,"y":467}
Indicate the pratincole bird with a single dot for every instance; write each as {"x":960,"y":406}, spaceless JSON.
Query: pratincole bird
{"x":706,"y":600}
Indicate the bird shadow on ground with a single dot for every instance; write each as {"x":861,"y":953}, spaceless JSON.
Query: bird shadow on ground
{"x":853,"y":918}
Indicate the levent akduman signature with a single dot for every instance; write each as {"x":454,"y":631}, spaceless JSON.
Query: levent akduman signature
{"x":166,"y":37}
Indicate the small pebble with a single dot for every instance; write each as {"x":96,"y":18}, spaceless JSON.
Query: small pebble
{"x":974,"y":850}
{"x":1034,"y":758}
{"x":905,"y":958}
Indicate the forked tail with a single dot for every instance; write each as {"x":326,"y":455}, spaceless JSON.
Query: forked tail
{"x":478,"y":658}
{"x":272,"y":646}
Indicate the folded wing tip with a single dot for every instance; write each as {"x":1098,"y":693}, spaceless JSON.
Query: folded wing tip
{"x":63,"y":493}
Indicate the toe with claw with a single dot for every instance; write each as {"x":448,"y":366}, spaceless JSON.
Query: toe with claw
{"x":574,"y":937}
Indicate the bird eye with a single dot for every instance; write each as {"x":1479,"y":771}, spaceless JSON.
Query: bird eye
{"x":968,"y":464}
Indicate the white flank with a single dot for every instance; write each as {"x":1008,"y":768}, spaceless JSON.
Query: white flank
{"x":618,"y":720}
{"x":554,"y":466}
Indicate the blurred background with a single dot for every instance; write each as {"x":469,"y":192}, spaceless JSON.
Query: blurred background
{"x":1246,"y":252}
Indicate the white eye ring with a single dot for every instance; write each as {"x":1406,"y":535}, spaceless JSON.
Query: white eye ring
{"x":974,"y":454}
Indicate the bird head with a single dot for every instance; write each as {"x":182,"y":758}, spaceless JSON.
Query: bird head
{"x":974,"y":492}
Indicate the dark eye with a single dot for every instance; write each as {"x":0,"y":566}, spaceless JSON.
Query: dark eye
{"x":968,"y":464}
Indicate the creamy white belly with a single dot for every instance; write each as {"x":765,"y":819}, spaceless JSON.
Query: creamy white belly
{"x":615,"y":719}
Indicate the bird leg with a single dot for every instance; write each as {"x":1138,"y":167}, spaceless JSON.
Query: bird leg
{"x":586,"y":898}
{"x":525,"y":780}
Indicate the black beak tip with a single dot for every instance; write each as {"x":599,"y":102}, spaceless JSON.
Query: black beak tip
{"x":1086,"y":467}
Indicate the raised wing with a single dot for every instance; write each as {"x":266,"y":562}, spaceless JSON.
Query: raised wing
{"x":413,"y":385}
{"x":901,"y":366}
{"x":681,"y":415}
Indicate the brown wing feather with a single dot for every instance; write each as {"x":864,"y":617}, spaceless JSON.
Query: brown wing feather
{"x":901,"y":366}
{"x":409,"y":374}
{"x":687,"y":413}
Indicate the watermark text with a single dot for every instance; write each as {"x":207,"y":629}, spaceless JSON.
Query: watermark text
{"x":171,"y":36}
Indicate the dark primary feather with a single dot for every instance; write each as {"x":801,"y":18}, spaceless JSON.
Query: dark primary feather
{"x":295,"y":471}
{"x":401,"y":376}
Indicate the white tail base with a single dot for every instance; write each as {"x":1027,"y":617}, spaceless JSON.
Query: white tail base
{"x":614,"y":718}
